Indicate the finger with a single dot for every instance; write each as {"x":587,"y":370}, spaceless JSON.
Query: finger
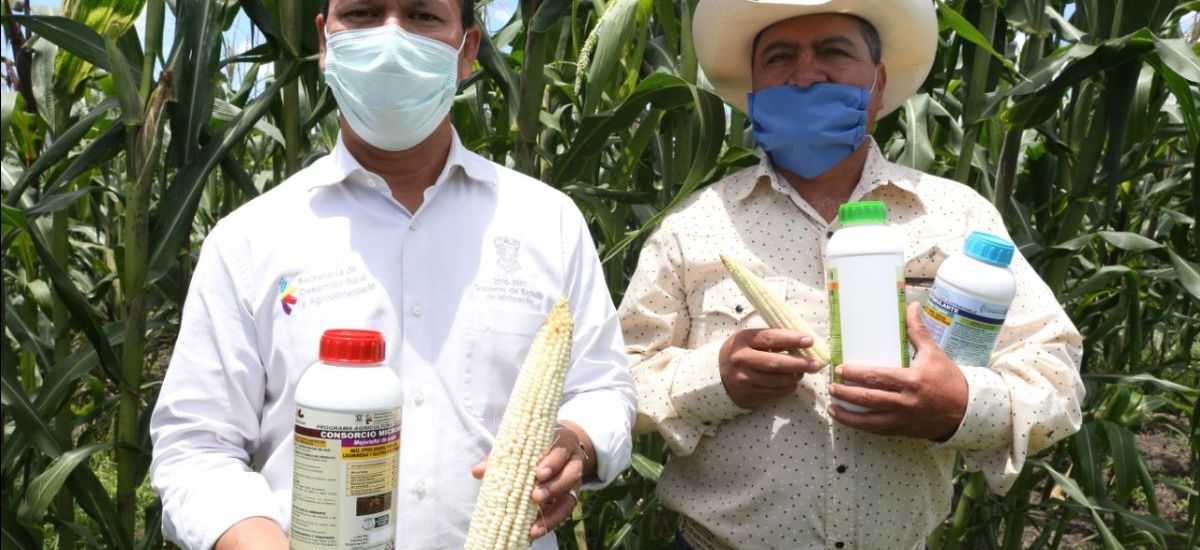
{"x":917,"y":333}
{"x":775,"y":363}
{"x":877,"y":400}
{"x":778,"y":339}
{"x":552,"y":515}
{"x":553,"y":462}
{"x":478,"y":470}
{"x":879,"y":422}
{"x":766,"y":381}
{"x":881,"y":378}
{"x":568,"y":478}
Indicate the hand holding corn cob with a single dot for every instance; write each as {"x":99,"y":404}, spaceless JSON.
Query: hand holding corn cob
{"x":505,"y":511}
{"x":753,"y":369}
{"x":774,"y":311}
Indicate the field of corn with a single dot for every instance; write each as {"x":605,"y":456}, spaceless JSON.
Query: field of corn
{"x":131,"y":126}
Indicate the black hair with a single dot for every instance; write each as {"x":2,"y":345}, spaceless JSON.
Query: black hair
{"x":869,"y":33}
{"x":871,"y":36}
{"x":467,"y":6}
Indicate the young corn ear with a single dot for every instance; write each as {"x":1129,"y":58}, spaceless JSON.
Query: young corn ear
{"x":504,"y":511}
{"x":774,"y":311}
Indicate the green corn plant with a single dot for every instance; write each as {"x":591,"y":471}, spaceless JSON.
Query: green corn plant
{"x":1077,"y":119}
{"x":100,"y":289}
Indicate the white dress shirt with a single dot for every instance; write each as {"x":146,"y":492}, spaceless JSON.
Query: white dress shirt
{"x":458,"y":290}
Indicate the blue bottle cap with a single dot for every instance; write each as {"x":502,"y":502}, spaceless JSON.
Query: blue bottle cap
{"x":989,"y":248}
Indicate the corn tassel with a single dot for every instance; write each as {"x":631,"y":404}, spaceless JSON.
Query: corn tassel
{"x":774,"y":311}
{"x":504,"y":511}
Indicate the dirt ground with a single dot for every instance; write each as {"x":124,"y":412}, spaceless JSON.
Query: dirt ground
{"x":1166,"y":456}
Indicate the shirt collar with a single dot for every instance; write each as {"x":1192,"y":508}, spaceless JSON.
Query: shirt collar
{"x":877,"y":172}
{"x":341,"y":166}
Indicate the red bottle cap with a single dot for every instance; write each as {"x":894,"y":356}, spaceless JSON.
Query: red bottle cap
{"x":358,"y":347}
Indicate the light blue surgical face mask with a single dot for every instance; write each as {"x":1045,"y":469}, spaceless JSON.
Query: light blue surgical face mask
{"x":809,"y":130}
{"x":394,"y":87}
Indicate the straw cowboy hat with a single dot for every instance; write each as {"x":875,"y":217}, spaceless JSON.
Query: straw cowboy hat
{"x":724,"y":31}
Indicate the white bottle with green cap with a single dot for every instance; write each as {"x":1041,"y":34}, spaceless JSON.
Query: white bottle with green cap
{"x":864,"y":272}
{"x":970,"y":298}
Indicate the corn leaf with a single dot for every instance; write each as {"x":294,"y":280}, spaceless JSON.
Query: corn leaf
{"x":646,"y":468}
{"x":14,"y":535}
{"x":1125,"y":240}
{"x":60,"y":148}
{"x":1177,"y":54}
{"x":81,"y":311}
{"x":968,"y":32}
{"x":45,"y":486}
{"x":70,"y":35}
{"x":614,"y":33}
{"x":1125,"y":458}
{"x":173,"y":216}
{"x":1072,"y":490}
{"x":1188,"y":274}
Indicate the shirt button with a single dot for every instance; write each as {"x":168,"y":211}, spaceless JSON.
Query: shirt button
{"x":841,"y":469}
{"x":412,"y":226}
{"x":419,"y":489}
{"x":416,"y":310}
{"x":419,"y":398}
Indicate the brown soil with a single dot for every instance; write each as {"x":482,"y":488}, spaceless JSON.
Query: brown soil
{"x":1166,"y":456}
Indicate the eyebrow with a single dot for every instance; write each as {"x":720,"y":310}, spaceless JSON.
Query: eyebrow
{"x":779,"y":44}
{"x":355,"y":3}
{"x":423,"y":4}
{"x":836,"y":41}
{"x":790,"y":45}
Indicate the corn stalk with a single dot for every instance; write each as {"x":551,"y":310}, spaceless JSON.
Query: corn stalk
{"x":1092,"y":135}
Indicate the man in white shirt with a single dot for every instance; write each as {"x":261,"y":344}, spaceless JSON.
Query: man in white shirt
{"x":400,"y":229}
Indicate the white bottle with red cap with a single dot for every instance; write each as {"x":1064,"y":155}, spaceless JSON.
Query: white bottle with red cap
{"x":347,"y":446}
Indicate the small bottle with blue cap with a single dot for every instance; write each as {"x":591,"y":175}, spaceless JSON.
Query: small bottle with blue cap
{"x":970,"y":299}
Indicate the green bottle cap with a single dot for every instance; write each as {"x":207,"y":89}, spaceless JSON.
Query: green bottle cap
{"x":862,"y":213}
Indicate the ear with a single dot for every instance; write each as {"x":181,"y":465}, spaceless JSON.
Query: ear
{"x":320,"y":24}
{"x":470,"y":50}
{"x":881,"y":82}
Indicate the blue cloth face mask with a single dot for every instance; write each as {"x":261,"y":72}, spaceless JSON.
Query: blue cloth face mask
{"x":394,"y":87}
{"x":808,"y":130}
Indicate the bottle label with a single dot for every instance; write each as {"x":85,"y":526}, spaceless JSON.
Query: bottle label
{"x":965,"y":328}
{"x":838,"y":332}
{"x":900,"y":311}
{"x":344,"y":479}
{"x":835,"y":324}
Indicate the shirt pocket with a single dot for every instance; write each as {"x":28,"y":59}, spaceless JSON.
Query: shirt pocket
{"x":921,"y":269}
{"x":495,"y":343}
{"x":724,"y":309}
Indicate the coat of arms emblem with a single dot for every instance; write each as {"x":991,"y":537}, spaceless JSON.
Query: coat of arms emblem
{"x":507,"y":254}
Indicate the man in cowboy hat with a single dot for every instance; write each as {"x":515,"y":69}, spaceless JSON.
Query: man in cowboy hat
{"x":760,"y":456}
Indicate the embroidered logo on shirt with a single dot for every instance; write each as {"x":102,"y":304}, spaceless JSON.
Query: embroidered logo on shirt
{"x":507,"y":250}
{"x":287,"y":295}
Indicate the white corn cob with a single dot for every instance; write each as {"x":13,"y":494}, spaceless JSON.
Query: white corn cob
{"x":504,"y":511}
{"x":774,"y":311}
